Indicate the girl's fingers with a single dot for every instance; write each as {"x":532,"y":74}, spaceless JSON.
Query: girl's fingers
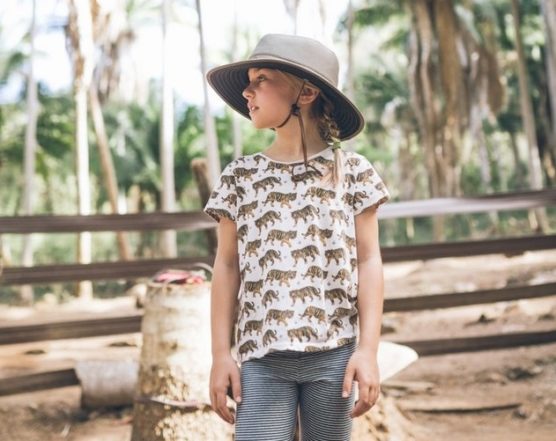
{"x":236,"y":386}
{"x":348,"y":381}
{"x":222,"y":408}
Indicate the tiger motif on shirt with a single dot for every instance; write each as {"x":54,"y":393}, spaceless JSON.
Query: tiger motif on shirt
{"x":270,"y":257}
{"x":269,"y":336}
{"x":314,"y":312}
{"x":269,"y":181}
{"x":247,"y":209}
{"x":324,"y":195}
{"x":282,"y":277}
{"x":305,"y":253}
{"x":303,"y":294}
{"x":269,"y":217}
{"x":247,"y":173}
{"x":335,"y":294}
{"x":253,"y":326}
{"x":284,"y":237}
{"x":305,"y":214}
{"x":315,"y":272}
{"x":254,"y":286}
{"x":252,"y":247}
{"x":301,"y":333}
{"x":269,"y":296}
{"x":228,"y":180}
{"x":336,"y":254}
{"x":283,"y":198}
{"x":279,"y":316}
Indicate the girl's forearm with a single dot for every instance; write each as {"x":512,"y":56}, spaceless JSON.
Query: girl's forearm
{"x":370,"y":298}
{"x":225,"y":285}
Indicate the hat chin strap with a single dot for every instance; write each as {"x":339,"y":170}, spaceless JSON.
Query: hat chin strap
{"x":296,"y":111}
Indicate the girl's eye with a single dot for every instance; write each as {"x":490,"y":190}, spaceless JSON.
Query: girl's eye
{"x":260,"y":78}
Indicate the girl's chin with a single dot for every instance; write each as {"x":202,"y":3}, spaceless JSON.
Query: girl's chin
{"x":258,"y":124}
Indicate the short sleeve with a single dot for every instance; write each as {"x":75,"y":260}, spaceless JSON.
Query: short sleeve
{"x":368,"y":188}
{"x":223,"y":199}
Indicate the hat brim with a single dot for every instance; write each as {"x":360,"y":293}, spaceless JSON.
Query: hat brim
{"x":230,"y":80}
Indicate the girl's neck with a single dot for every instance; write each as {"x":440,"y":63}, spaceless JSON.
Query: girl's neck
{"x":287,"y":145}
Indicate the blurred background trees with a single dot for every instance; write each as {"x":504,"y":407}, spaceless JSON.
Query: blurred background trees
{"x":459,"y":98}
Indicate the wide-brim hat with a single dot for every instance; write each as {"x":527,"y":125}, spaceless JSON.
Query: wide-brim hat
{"x":303,"y":57}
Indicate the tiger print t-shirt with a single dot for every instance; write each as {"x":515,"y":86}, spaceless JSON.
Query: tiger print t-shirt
{"x":296,"y":246}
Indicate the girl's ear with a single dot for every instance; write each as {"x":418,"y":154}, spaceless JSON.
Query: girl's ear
{"x":308,"y":95}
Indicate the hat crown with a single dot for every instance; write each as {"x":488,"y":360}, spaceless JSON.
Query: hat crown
{"x":307,"y":53}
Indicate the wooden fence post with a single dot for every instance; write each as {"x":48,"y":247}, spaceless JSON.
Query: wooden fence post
{"x":200,"y":171}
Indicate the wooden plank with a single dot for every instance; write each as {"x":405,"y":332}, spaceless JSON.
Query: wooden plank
{"x":507,"y":246}
{"x":455,"y":345}
{"x":35,"y":382}
{"x":458,"y":406}
{"x":132,"y":323}
{"x":54,"y":379}
{"x":450,"y":300}
{"x":197,"y":220}
{"x":465,"y":205}
{"x":126,"y":270}
{"x":130,"y":270}
{"x":187,"y":221}
{"x":70,"y":329}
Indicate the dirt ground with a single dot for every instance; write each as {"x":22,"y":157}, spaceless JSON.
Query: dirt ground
{"x":493,"y":395}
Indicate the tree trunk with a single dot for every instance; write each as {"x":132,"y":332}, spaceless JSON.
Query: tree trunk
{"x":210,"y":130}
{"x":350,"y":81}
{"x":422,"y":92}
{"x":199,"y":169}
{"x":453,"y":92}
{"x":236,"y":124}
{"x":107,"y":168}
{"x":26,"y":291}
{"x":292,"y":8}
{"x":172,"y":393}
{"x":168,"y":237}
{"x":548,"y":8}
{"x":535,"y":168}
{"x":81,"y":36}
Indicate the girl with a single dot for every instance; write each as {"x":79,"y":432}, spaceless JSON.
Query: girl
{"x":298,"y":254}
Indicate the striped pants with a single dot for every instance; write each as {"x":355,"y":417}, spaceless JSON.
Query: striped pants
{"x":276,"y":385}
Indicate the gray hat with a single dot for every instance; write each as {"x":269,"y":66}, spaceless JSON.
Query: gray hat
{"x":303,"y":57}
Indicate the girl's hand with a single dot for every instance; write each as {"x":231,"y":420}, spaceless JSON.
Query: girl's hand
{"x":224,"y":373}
{"x":363,"y":368}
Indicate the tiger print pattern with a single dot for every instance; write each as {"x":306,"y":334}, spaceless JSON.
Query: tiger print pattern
{"x":296,"y":248}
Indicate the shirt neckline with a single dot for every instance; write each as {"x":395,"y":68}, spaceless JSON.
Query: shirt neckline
{"x":299,"y":161}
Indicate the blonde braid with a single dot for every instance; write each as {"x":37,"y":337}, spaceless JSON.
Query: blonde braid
{"x":329,"y":131}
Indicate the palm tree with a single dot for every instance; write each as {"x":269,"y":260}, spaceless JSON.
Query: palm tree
{"x":535,"y":168}
{"x":26,"y":293}
{"x":210,"y":131}
{"x":548,"y":8}
{"x":168,"y":238}
{"x":111,"y":45}
{"x":292,"y":8}
{"x":80,"y":34}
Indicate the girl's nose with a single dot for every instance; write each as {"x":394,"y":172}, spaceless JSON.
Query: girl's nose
{"x":247,"y":92}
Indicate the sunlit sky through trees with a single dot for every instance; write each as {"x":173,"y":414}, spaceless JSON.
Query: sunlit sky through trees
{"x":255,"y":18}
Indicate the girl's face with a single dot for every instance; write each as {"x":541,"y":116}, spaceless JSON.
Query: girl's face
{"x":269,"y":97}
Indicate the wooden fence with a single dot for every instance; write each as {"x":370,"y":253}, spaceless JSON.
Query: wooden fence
{"x":194,"y":221}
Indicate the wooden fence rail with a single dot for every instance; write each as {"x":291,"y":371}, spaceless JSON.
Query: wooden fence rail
{"x":129,"y":270}
{"x":67,"y":377}
{"x":96,"y":327}
{"x":197,"y":220}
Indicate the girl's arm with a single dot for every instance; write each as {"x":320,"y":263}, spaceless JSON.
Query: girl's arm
{"x":363,"y":366}
{"x":224,"y":289}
